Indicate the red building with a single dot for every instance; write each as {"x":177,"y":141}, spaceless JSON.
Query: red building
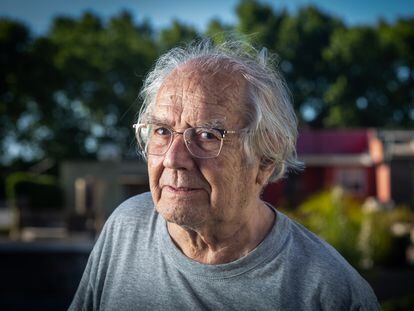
{"x":362,"y":161}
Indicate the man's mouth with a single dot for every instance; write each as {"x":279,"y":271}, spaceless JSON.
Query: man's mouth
{"x":181,"y":189}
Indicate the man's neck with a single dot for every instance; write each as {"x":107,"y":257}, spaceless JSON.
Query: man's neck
{"x":224,"y":243}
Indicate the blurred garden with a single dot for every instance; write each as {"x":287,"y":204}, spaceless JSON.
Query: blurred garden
{"x":367,"y":233}
{"x":72,"y":93}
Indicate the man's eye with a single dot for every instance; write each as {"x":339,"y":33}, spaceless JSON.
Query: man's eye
{"x":207,"y":135}
{"x":162,"y":131}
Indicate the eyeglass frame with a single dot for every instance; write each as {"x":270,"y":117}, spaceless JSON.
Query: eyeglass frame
{"x":223,"y":133}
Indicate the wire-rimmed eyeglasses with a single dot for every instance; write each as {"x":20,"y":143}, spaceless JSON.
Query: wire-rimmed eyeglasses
{"x":201,"y":142}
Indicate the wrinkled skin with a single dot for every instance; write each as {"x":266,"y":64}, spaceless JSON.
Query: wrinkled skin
{"x":210,"y":204}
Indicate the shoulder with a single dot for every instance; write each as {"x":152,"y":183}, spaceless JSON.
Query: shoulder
{"x":137,"y":206}
{"x":134,"y":219}
{"x":326,"y":271}
{"x":135,"y":213}
{"x":314,"y":247}
{"x":128,"y":228}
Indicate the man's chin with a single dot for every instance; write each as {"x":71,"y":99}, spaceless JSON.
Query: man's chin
{"x":184,"y":215}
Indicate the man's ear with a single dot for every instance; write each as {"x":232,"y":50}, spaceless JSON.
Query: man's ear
{"x":266,"y":169}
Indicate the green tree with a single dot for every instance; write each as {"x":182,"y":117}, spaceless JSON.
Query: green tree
{"x":361,"y":76}
{"x":67,"y":93}
{"x":177,"y":34}
{"x":219,"y":32}
{"x":102,"y":65}
{"x":27,"y":82}
{"x":260,"y":21}
{"x":399,"y":39}
{"x":301,"y":41}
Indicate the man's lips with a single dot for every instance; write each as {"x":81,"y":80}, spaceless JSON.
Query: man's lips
{"x":181,"y":189}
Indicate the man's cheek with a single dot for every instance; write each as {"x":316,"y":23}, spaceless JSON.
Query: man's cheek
{"x":155,"y":168}
{"x":154,"y":162}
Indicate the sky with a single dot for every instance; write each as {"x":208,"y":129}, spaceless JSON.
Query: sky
{"x":38,"y":13}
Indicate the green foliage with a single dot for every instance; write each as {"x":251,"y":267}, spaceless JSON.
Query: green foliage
{"x":218,"y":32}
{"x":259,"y":20}
{"x":404,"y":303}
{"x":177,"y":35}
{"x":364,"y":74}
{"x":65,"y":94}
{"x":384,"y":246}
{"x":360,"y":232}
{"x":68,"y":92}
{"x":37,"y":191}
{"x":103,"y":65}
{"x":300,"y":43}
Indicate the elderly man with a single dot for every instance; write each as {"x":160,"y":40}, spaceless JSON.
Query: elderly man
{"x":215,"y":127}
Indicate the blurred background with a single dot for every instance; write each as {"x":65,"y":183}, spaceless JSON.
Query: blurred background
{"x":70,"y":74}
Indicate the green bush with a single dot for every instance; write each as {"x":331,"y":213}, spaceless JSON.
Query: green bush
{"x":387,"y":247}
{"x":38,"y":191}
{"x":361,"y":232}
{"x":400,"y":304}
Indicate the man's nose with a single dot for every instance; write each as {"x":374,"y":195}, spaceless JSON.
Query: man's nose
{"x":178,"y":156}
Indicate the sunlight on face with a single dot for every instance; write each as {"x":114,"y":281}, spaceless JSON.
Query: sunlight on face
{"x":191,"y":191}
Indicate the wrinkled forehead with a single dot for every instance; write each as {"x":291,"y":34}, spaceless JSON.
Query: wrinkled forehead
{"x":206,"y":93}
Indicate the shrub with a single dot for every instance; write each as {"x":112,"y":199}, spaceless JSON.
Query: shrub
{"x":39,"y":191}
{"x":360,"y":231}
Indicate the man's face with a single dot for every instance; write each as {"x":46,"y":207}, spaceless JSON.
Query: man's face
{"x":195,"y":192}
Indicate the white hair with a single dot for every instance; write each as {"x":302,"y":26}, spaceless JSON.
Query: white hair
{"x":272,"y":123}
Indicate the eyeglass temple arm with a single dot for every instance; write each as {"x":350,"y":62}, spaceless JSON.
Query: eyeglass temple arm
{"x":136,"y":125}
{"x":228,"y":132}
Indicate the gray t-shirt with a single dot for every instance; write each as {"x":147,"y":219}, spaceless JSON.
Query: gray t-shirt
{"x":136,"y":266}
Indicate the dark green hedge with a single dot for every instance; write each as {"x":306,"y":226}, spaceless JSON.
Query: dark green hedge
{"x":34,"y":191}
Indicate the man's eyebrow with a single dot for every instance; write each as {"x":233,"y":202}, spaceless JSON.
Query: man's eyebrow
{"x":214,"y":123}
{"x":156,"y":120}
